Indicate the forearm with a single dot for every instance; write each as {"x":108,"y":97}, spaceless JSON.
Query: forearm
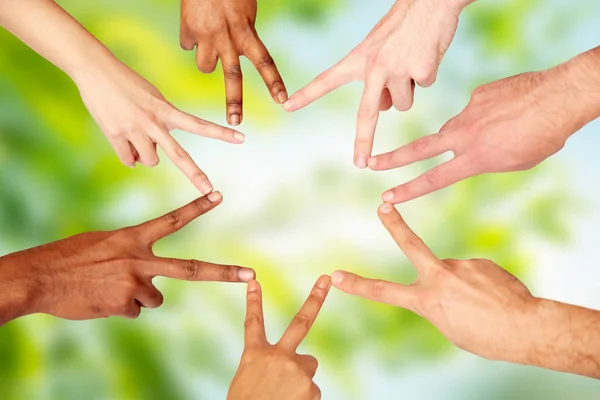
{"x":580,"y":87}
{"x":564,"y":338}
{"x":49,"y":30}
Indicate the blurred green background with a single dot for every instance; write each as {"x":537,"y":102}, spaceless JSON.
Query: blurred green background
{"x":294,"y":208}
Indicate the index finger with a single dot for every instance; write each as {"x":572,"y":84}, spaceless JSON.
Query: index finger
{"x":415,"y":249}
{"x":194,"y":270}
{"x":329,"y":80}
{"x":368,"y":115}
{"x":303,"y":321}
{"x":184,"y":162}
{"x":152,"y":231}
{"x":254,"y":324}
{"x":265,"y":65}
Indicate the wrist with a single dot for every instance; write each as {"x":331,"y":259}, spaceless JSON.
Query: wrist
{"x":93,"y":63}
{"x":17,"y":297}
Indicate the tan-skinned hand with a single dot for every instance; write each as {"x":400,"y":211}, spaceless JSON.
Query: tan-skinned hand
{"x":475,"y":303}
{"x":103,"y":274}
{"x":405,"y":47}
{"x":224,"y":29}
{"x":274,"y":372}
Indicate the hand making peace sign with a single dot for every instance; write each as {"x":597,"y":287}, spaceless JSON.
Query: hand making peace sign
{"x":276,"y":371}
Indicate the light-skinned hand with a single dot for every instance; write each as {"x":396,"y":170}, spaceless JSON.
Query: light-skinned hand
{"x":405,"y":47}
{"x":509,"y":125}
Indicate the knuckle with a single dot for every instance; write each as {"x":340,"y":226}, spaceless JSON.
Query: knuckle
{"x":159,"y":299}
{"x":377,"y":289}
{"x":173,"y":217}
{"x":233,"y":72}
{"x":434,"y":178}
{"x":266,"y":61}
{"x":200,"y":205}
{"x":478,"y":92}
{"x":228,"y":273}
{"x":302,"y":321}
{"x":413,"y":242}
{"x":419,"y":146}
{"x":180,"y":153}
{"x":367,"y":113}
{"x":313,"y":360}
{"x":198,"y":176}
{"x":253,"y":320}
{"x":191,"y":269}
{"x":152,"y":162}
{"x":235,"y":103}
{"x":290,"y":365}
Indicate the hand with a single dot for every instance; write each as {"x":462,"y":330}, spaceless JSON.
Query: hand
{"x":275,"y":371}
{"x":405,"y":47}
{"x":476,"y":304}
{"x":135,"y":117}
{"x":225,"y":29}
{"x":509,"y":125}
{"x":101,"y":274}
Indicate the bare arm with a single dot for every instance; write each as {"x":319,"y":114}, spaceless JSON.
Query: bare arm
{"x":509,"y":125}
{"x":131,"y":112}
{"x":483,"y":309}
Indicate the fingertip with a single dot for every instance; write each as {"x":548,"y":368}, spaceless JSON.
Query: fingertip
{"x":290,"y":104}
{"x":372,"y":162}
{"x":253,"y":286}
{"x":239,"y":137}
{"x":235,"y":119}
{"x":205,"y":187}
{"x":386,"y":208}
{"x":247,"y":275}
{"x":281,"y":97}
{"x":337,"y":278}
{"x":215,"y":197}
{"x":360,"y":161}
{"x":324,"y":282}
{"x":388,"y":196}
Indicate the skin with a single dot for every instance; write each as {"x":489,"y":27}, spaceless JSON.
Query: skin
{"x":224,"y":29}
{"x":103,"y":274}
{"x":131,"y":112}
{"x":405,"y":47}
{"x":273,"y":372}
{"x":483,"y":309}
{"x":509,"y":125}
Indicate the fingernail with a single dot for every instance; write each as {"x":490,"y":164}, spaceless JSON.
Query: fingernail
{"x":337,"y":278}
{"x":234,"y":119}
{"x":386,"y":208}
{"x":282,"y":97}
{"x":289,"y":104}
{"x":360,"y":161}
{"x":253,"y":286}
{"x":206,"y":187}
{"x":372,"y":162}
{"x":239,"y":136}
{"x":323,"y":282}
{"x":246,"y":274}
{"x":214,"y":197}
{"x":388,"y":196}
